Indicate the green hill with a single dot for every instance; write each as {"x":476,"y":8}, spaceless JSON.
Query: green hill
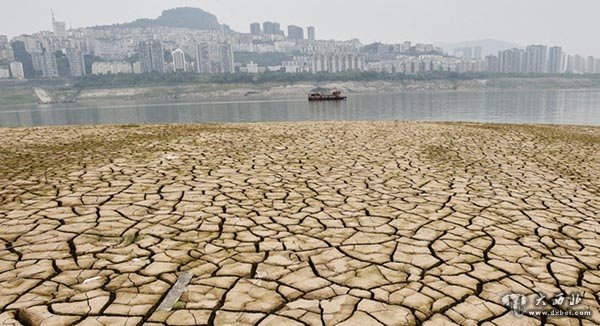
{"x":193,"y":18}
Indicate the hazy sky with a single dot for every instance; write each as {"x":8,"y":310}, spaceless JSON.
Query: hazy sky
{"x":574,"y":24}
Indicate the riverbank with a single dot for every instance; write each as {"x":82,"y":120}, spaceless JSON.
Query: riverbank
{"x":279,"y":223}
{"x":275,"y":90}
{"x":22,"y":93}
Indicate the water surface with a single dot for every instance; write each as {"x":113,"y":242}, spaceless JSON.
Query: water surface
{"x":576,"y":107}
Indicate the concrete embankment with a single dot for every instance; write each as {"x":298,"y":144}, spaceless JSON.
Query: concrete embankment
{"x":42,"y":95}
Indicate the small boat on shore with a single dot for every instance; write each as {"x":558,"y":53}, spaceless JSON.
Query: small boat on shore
{"x":334,"y":96}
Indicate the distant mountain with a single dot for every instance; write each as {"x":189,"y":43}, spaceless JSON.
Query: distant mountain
{"x":489,"y":46}
{"x":186,"y":17}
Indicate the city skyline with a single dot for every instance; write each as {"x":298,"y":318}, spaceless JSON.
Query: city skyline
{"x":385,"y":21}
{"x":189,"y":39}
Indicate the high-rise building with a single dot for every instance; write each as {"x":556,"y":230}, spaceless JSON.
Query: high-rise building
{"x":204,"y":56}
{"x":226,"y":56}
{"x":49,"y":65}
{"x":468,"y":53}
{"x":590,"y":65}
{"x":268,"y":28}
{"x":536,"y":59}
{"x":492,"y":63}
{"x":555,"y":60}
{"x":76,"y":62}
{"x":255,"y":29}
{"x":295,"y":32}
{"x":578,"y":64}
{"x":7,"y":54}
{"x":152,"y":57}
{"x":60,"y":28}
{"x":30,"y":43}
{"x":3,"y":43}
{"x":213,"y":58}
{"x":464,"y":53}
{"x":569,"y":64}
{"x":311,"y":33}
{"x":478,"y":53}
{"x":37,"y":61}
{"x":512,"y":61}
{"x":16,"y":70}
{"x":6,"y":51}
{"x":179,"y":63}
{"x":277,"y":29}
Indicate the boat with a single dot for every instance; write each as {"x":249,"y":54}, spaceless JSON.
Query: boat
{"x":334,"y":96}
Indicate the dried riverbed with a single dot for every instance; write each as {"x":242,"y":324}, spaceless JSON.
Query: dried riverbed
{"x":387,"y":223}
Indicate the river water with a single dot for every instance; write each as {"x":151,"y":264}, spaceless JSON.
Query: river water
{"x":574,"y":107}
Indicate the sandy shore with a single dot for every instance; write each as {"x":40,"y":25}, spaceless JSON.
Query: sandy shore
{"x":387,"y":223}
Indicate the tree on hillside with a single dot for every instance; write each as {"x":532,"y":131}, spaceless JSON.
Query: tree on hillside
{"x":89,"y":62}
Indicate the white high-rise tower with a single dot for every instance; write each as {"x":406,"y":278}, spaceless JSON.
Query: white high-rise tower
{"x":60,"y":28}
{"x":179,"y":60}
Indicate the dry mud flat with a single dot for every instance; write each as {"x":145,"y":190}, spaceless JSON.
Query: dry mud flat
{"x":296,"y":224}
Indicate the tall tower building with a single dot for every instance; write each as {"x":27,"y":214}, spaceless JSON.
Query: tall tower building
{"x":226,"y":56}
{"x":579,"y":64}
{"x":49,"y":65}
{"x":311,"y":33}
{"x":60,"y":28}
{"x":295,"y":32}
{"x":6,"y":52}
{"x":555,"y":60}
{"x":212,"y":58}
{"x":468,"y":53}
{"x":179,"y":62}
{"x":590,"y":65}
{"x":478,"y":53}
{"x":37,"y":61}
{"x":268,"y":28}
{"x":277,"y":29}
{"x":536,"y":59}
{"x":492,"y":63}
{"x":76,"y":62}
{"x":203,"y":58}
{"x":255,"y":29}
{"x":152,"y":57}
{"x":569,"y":63}
{"x":512,"y":61}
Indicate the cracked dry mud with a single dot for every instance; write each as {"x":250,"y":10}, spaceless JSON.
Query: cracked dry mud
{"x":296,"y":223}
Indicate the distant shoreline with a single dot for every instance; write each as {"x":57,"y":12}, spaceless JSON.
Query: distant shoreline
{"x":21,"y":93}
